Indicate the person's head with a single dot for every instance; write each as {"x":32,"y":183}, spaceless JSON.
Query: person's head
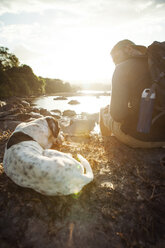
{"x":119,"y":51}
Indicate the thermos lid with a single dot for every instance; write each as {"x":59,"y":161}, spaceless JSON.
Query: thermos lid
{"x":148,"y":91}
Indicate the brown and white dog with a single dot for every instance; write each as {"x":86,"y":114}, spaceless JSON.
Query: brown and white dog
{"x":29,"y":162}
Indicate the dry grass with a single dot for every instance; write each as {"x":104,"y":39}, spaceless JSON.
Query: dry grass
{"x":122,"y":207}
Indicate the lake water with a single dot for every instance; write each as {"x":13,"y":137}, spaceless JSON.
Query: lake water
{"x":88,"y":103}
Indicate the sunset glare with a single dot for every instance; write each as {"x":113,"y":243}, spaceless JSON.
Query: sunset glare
{"x":72,"y":39}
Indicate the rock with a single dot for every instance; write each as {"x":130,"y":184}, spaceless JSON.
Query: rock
{"x":56,"y":111}
{"x":6,"y":107}
{"x":60,"y":98}
{"x":10,"y":112}
{"x":79,"y":127}
{"x":69,"y":113}
{"x":36,"y":110}
{"x":16,"y":117}
{"x":33,"y":104}
{"x":35,"y":115}
{"x":22,"y":117}
{"x":91,"y":117}
{"x":25,"y":104}
{"x":74,"y":102}
{"x":45,"y":112}
{"x":20,"y":106}
{"x":14,"y":100}
{"x":56,"y":116}
{"x":9,"y":124}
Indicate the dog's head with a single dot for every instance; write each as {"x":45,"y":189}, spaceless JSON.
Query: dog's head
{"x":43,"y":130}
{"x":53,"y":125}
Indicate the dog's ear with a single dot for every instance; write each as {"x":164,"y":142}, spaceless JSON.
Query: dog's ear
{"x":53,"y":125}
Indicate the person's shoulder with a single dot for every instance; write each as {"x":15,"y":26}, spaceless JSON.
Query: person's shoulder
{"x":131,"y":63}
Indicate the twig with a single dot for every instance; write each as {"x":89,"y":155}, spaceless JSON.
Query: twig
{"x":158,"y":195}
{"x":153,"y":191}
{"x":142,"y":178}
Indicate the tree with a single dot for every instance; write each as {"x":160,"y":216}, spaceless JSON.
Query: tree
{"x":17,"y":80}
{"x":7,"y":60}
{"x":56,"y":85}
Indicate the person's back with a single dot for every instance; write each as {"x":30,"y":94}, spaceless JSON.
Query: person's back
{"x":130,"y":78}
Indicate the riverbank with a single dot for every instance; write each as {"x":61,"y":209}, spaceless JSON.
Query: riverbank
{"x":122,"y":207}
{"x":81,"y":93}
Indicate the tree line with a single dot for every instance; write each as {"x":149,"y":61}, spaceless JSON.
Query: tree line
{"x":19,"y":80}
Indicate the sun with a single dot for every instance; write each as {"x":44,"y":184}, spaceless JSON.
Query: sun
{"x":79,"y":58}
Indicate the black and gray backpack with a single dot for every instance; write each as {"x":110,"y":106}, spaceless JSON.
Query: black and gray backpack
{"x":156,"y":62}
{"x":153,"y":98}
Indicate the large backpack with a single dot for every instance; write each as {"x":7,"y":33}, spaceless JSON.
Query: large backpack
{"x":156,"y":62}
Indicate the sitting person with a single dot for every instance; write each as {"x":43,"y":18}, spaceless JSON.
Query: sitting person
{"x":130,"y":78}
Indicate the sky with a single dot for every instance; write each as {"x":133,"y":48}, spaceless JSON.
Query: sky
{"x":72,"y":39}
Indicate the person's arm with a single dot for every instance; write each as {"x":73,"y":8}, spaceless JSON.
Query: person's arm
{"x":120,"y":94}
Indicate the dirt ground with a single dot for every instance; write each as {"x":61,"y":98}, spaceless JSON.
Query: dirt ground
{"x":124,"y":206}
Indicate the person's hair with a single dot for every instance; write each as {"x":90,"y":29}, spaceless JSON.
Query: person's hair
{"x":121,"y":44}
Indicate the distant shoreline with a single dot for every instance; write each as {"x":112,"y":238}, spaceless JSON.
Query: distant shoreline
{"x":67,"y":94}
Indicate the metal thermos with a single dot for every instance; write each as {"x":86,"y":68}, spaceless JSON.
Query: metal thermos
{"x":146,"y":110}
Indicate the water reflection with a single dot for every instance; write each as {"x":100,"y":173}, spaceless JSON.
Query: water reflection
{"x":89,"y":104}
